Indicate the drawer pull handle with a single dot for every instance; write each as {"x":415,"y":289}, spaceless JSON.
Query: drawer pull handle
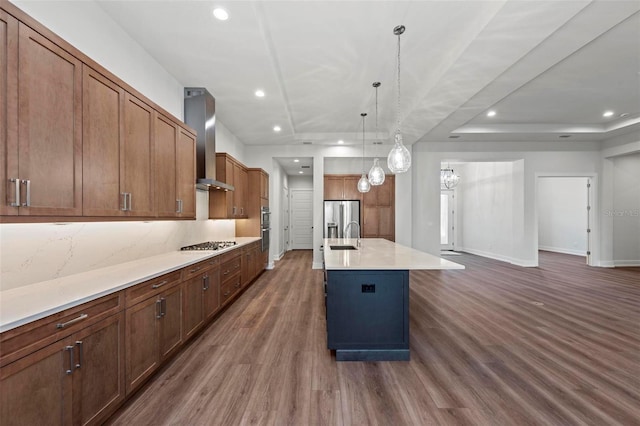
{"x":160,"y":284}
{"x":158,"y":309}
{"x":73,"y":321}
{"x":195,"y":269}
{"x":226,"y":272}
{"x":16,"y":181}
{"x":237,"y":285}
{"x":226,"y":293}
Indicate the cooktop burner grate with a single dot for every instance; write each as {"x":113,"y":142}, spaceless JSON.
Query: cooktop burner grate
{"x":210,"y":245}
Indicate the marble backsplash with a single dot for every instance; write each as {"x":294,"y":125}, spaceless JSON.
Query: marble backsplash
{"x":35,"y":252}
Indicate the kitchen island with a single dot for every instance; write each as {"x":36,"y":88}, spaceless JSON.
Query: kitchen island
{"x":367,"y":296}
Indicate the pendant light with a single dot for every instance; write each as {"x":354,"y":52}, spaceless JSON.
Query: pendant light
{"x":376,"y":174}
{"x":448,"y":178}
{"x":363,"y":183}
{"x":399,"y":159}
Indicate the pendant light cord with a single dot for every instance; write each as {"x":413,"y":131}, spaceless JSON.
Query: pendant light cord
{"x":398,"y":114}
{"x":363,"y":142}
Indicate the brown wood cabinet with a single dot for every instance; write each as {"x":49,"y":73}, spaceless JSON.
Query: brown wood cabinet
{"x":201,"y":295}
{"x":341,"y":187}
{"x":229,"y":204}
{"x":42,"y":162}
{"x":153,"y":329}
{"x":378,"y":212}
{"x":8,"y":112}
{"x":118,"y":141}
{"x":175,"y":159}
{"x":258,"y":188}
{"x":79,"y":142}
{"x":251,"y":262}
{"x":78,"y":378}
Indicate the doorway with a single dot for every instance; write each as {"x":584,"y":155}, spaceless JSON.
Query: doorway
{"x":447,"y":222}
{"x":285,"y":221}
{"x":301,"y":219}
{"x":564,"y":217}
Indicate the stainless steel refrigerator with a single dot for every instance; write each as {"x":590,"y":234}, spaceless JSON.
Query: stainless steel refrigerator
{"x":337,"y":215}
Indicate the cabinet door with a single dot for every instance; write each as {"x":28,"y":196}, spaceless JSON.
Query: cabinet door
{"x":103,"y":125}
{"x":171,"y":321}
{"x":371,"y":198}
{"x":264,"y":185}
{"x":386,"y":191}
{"x":186,"y":174}
{"x":371,"y":222}
{"x":386,"y":223}
{"x":165,"y":161}
{"x":141,"y":341}
{"x":193,"y":294}
{"x":138,"y":151}
{"x":8,"y":113}
{"x":49,"y":126}
{"x":351,"y":188}
{"x":241,"y":180}
{"x":98,"y":381}
{"x":333,"y":188}
{"x":212,"y":293}
{"x":36,"y":390}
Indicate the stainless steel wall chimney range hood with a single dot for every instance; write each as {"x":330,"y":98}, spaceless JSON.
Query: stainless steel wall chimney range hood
{"x":200,"y":113}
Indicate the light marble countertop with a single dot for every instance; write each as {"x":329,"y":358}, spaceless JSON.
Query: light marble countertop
{"x":19,"y":306}
{"x":380,"y":254}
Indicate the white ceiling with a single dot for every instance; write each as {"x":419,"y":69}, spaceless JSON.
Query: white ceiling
{"x":548,"y":68}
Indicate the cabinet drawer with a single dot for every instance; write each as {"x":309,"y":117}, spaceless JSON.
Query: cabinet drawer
{"x":28,"y":338}
{"x":200,"y":267}
{"x":229,"y":268}
{"x":144,"y":290}
{"x":229,"y":288}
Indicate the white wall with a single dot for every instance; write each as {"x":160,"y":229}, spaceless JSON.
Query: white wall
{"x":626,"y":210}
{"x":300,"y":182}
{"x":486,"y":209}
{"x":562,"y":214}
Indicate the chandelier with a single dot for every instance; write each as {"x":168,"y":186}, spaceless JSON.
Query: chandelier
{"x":399,"y":159}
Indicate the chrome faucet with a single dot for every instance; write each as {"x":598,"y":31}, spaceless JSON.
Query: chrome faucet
{"x":347,"y":227}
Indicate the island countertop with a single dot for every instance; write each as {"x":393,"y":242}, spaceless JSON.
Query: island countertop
{"x":380,"y":254}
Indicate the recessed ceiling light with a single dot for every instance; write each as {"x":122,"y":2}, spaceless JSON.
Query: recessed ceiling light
{"x":454,"y":136}
{"x":340,"y":141}
{"x":296,"y":161}
{"x":260,"y":93}
{"x":276,"y":128}
{"x":220,"y":14}
{"x":607,"y":114}
{"x":564,"y":136}
{"x":300,"y":172}
{"x":491,"y":113}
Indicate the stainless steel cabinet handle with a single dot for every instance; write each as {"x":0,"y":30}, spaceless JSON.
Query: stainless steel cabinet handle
{"x":70,"y":350}
{"x":158,"y":309}
{"x":225,"y":272}
{"x":130,"y":202}
{"x":160,"y":284}
{"x":73,"y":321}
{"x":163,"y":306}
{"x":237,"y":285}
{"x":124,"y":201}
{"x":195,"y":269}
{"x":80,"y":353}
{"x":226,"y":293}
{"x":205,"y":282}
{"x":179,"y":206}
{"x":234,"y":210}
{"x":17,"y":183}
{"x":27,"y":183}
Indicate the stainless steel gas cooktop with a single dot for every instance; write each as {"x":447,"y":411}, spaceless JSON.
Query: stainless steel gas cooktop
{"x":210,"y":245}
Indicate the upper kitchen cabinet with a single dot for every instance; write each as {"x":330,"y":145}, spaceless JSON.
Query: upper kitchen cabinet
{"x":175,"y":151}
{"x":257,"y":196}
{"x":341,"y":187}
{"x":117,"y":150}
{"x":8,"y":112}
{"x":378,"y":211}
{"x":229,"y":204}
{"x":42,"y":148}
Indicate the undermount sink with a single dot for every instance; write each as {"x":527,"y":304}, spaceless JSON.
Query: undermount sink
{"x":342,"y":247}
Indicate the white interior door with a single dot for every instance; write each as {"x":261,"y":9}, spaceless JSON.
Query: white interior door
{"x":301,"y":219}
{"x":285,"y":220}
{"x":447,"y":224}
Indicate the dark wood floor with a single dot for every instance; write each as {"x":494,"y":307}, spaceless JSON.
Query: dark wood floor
{"x":495,"y":344}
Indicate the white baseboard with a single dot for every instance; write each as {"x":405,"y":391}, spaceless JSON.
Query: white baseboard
{"x":607,"y":264}
{"x":563,"y":250}
{"x":520,"y":262}
{"x":316,"y":265}
{"x":270,"y":265}
{"x":626,"y":263}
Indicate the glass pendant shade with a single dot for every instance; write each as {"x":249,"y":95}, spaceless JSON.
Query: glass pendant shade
{"x":399,"y":159}
{"x":376,"y":174}
{"x":448,"y":178}
{"x":363,"y":184}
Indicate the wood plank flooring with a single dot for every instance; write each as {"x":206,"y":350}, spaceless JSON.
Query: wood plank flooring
{"x":495,"y":344}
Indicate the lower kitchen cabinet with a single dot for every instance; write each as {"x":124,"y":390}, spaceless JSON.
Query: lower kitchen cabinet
{"x":211,"y":293}
{"x":251,"y":261}
{"x":153,"y":333}
{"x":76,"y":380}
